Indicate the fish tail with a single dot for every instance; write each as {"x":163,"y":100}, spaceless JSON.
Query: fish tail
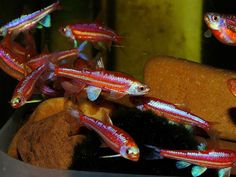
{"x":119,"y":39}
{"x":57,"y":5}
{"x":50,"y":70}
{"x":46,"y":90}
{"x":81,"y":48}
{"x":152,"y":153}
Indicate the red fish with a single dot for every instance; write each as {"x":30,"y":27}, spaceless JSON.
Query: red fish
{"x":114,"y":137}
{"x":56,"y":57}
{"x":220,"y":159}
{"x":24,"y":88}
{"x":232,"y":86}
{"x":169,"y":110}
{"x":9,"y":63}
{"x":90,"y":32}
{"x":223,"y":27}
{"x":117,"y":84}
{"x":24,"y":53}
{"x":26,"y":22}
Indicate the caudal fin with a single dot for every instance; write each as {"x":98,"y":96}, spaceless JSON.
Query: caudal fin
{"x":152,"y":153}
{"x":80,"y":49}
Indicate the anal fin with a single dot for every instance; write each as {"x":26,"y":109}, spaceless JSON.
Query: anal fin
{"x":224,"y":172}
{"x":182,"y":164}
{"x":198,"y":170}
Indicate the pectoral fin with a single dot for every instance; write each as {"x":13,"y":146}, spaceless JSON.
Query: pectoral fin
{"x":93,"y":92}
{"x":198,"y":170}
{"x":182,"y":164}
{"x":33,"y":101}
{"x":224,"y":172}
{"x":110,"y":156}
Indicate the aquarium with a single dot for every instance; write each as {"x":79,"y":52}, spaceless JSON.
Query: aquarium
{"x":117,"y":88}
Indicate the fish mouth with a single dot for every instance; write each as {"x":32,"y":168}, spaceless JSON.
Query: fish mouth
{"x":207,"y":18}
{"x":146,"y":90}
{"x":135,"y":157}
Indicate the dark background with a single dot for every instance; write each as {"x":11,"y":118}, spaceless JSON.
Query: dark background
{"x":214,"y":53}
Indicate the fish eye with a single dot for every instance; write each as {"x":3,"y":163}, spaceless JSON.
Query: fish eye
{"x":141,"y":88}
{"x":214,"y":18}
{"x":129,"y":151}
{"x":16,"y":100}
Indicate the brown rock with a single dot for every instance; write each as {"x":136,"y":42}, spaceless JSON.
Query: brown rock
{"x":44,"y":110}
{"x":202,"y":89}
{"x":49,"y":136}
{"x":48,"y":143}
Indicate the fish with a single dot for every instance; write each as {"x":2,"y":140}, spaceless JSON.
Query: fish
{"x":10,"y":63}
{"x":56,"y":57}
{"x":24,"y":52}
{"x":223,"y":27}
{"x":231,"y":83}
{"x":91,"y":32}
{"x":26,"y":22}
{"x":116,"y":83}
{"x":221,"y":159}
{"x":169,"y":111}
{"x":24,"y":88}
{"x":114,"y":137}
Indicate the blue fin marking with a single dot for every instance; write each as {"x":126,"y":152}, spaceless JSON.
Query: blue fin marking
{"x":198,"y":170}
{"x":182,"y":164}
{"x":83,"y":56}
{"x":82,"y":46}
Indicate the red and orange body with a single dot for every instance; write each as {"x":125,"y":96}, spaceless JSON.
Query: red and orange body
{"x":223,"y":27}
{"x":217,"y":159}
{"x":90,"y":32}
{"x":55,"y":57}
{"x":24,"y":53}
{"x":169,"y":111}
{"x":114,"y":137}
{"x":26,"y":22}
{"x":24,"y":88}
{"x":106,"y":80}
{"x":10,"y":63}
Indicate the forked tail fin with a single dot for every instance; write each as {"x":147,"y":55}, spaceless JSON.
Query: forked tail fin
{"x":153,"y":153}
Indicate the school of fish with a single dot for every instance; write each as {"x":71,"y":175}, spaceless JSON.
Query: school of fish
{"x":71,"y":71}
